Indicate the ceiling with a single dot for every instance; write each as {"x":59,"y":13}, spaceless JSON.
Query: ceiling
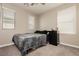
{"x":38,"y":9}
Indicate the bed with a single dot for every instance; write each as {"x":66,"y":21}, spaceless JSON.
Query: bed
{"x":27,"y":41}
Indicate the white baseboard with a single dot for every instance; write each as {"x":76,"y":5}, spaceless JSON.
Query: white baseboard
{"x":74,"y":46}
{"x":5,"y":45}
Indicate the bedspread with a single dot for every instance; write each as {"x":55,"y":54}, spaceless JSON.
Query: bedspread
{"x":27,"y":41}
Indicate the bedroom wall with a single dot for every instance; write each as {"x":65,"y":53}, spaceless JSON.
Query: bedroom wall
{"x":21,"y":24}
{"x":37,"y":22}
{"x":48,"y":20}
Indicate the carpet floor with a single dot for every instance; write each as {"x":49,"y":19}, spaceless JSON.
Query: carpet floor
{"x":48,"y":50}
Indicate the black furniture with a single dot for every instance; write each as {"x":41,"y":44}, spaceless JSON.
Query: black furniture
{"x":52,"y":36}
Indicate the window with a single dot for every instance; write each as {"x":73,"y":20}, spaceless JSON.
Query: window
{"x":8,"y":17}
{"x":31,"y":22}
{"x":67,"y":20}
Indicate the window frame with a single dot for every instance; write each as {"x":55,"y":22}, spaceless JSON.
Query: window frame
{"x":2,"y":17}
{"x":73,"y":21}
{"x":30,"y":23}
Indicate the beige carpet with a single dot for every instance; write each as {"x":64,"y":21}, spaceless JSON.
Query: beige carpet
{"x":48,"y":50}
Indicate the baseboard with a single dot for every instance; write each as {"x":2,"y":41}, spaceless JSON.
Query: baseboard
{"x":74,"y":46}
{"x":5,"y":45}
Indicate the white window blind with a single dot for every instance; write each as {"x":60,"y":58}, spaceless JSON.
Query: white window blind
{"x":66,"y":20}
{"x":8,"y":17}
{"x":31,"y":22}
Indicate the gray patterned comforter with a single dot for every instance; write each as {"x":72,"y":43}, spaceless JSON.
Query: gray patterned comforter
{"x":27,"y":41}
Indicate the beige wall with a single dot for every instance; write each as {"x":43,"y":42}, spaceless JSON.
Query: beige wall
{"x":37,"y":22}
{"x":48,"y":20}
{"x":21,"y":25}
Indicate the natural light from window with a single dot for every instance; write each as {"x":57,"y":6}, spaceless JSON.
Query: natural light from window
{"x":8,"y":18}
{"x":66,"y":20}
{"x":31,"y":22}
